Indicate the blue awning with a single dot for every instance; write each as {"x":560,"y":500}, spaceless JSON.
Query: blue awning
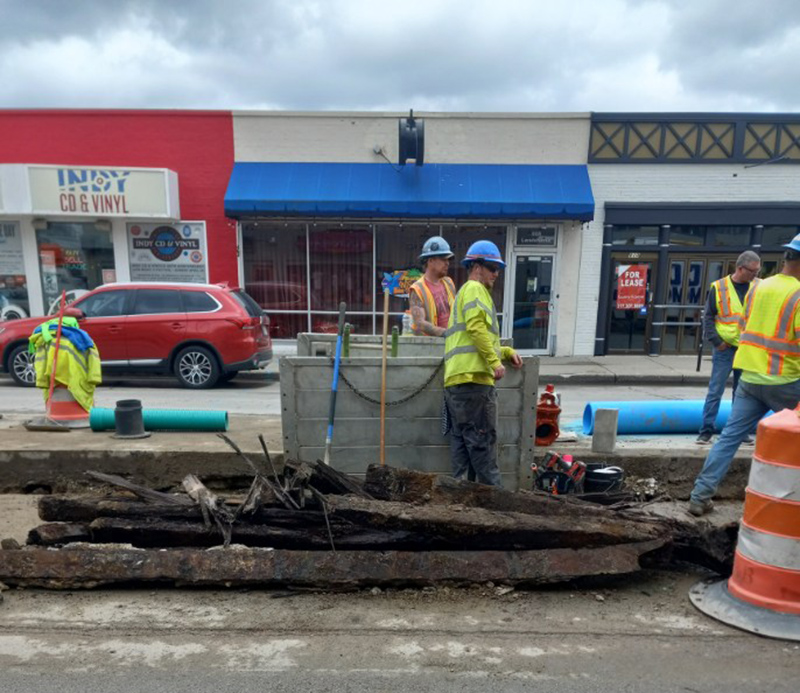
{"x":429,"y":191}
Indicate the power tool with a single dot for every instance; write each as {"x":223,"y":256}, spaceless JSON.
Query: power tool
{"x":559,"y":474}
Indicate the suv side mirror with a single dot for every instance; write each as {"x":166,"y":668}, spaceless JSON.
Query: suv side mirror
{"x":72,"y":312}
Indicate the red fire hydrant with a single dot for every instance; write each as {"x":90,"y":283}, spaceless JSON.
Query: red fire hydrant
{"x":547,"y":413}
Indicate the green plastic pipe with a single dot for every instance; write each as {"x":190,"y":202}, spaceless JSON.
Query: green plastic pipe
{"x":101,"y":419}
{"x":395,"y":333}
{"x":346,"y":342}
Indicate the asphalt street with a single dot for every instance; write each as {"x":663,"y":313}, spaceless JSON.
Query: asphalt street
{"x":637,"y":633}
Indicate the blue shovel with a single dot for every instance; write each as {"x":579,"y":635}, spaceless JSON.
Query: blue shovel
{"x":335,"y":384}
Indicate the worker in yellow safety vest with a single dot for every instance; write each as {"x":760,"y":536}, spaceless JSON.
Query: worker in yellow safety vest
{"x":473,"y":362}
{"x":431,"y":296}
{"x":724,"y":308}
{"x":769,"y":357}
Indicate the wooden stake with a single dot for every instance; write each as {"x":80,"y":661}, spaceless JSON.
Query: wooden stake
{"x":383,"y":375}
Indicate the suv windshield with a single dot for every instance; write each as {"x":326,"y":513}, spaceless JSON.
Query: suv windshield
{"x":252,"y":308}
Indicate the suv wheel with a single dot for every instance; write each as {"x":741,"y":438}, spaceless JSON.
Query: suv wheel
{"x":20,"y":365}
{"x":196,"y":368}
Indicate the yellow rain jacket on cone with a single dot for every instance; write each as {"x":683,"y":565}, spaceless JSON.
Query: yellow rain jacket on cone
{"x":77,"y":369}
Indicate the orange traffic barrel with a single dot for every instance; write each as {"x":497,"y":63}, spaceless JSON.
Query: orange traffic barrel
{"x":763,"y":593}
{"x":65,"y":409}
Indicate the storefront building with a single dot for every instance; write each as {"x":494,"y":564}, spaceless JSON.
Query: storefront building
{"x":678,"y":198}
{"x":612,"y":225}
{"x":92,"y":197}
{"x":326,"y":211}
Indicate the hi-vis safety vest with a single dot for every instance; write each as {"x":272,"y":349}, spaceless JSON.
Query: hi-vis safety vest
{"x":770,"y":342}
{"x":729,"y":310}
{"x":79,"y":371}
{"x":420,"y":288}
{"x":460,"y":353}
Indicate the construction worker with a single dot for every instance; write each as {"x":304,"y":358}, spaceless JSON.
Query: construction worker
{"x":769,"y":357}
{"x":432,"y":295}
{"x":473,"y":362}
{"x":724,"y":308}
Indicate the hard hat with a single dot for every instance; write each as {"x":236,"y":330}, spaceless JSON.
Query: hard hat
{"x":435,"y":246}
{"x":794,"y":244}
{"x":483,"y":250}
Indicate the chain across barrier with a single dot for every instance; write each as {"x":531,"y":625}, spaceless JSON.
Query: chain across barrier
{"x":402,"y":400}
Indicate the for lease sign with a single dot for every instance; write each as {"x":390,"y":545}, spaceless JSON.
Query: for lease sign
{"x":631,"y":286}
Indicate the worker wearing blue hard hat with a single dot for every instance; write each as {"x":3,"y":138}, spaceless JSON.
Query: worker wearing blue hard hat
{"x":473,"y":362}
{"x":431,"y":296}
{"x":769,"y":358}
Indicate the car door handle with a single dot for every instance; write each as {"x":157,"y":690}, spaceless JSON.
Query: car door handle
{"x":177,"y":325}
{"x":115,"y":329}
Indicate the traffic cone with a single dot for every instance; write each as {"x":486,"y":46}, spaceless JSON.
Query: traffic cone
{"x":65,"y":409}
{"x":763,"y":593}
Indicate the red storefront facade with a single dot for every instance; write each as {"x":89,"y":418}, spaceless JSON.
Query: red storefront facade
{"x":192,"y":151}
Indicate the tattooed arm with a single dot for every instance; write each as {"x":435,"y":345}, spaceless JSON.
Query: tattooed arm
{"x":421,"y":324}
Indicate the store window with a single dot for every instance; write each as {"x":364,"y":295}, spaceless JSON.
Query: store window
{"x":275,"y":274}
{"x":341,"y":266}
{"x":73,"y":256}
{"x":729,"y":236}
{"x":687,"y":235}
{"x":634,"y":235}
{"x":778,"y":235}
{"x":13,"y":285}
{"x":299,"y":273}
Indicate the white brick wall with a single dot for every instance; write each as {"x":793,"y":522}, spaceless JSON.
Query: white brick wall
{"x":450,"y":138}
{"x":666,"y":183}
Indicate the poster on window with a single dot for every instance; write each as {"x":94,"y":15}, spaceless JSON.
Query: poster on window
{"x":399,"y":283}
{"x":168,"y":252}
{"x":631,"y":287}
{"x":10,"y":249}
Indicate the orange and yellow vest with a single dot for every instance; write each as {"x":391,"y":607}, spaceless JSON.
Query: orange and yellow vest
{"x":729,"y":310}
{"x":420,"y":288}
{"x":769,"y":343}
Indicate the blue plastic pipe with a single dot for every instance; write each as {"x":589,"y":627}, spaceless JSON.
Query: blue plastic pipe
{"x":101,"y":419}
{"x":660,"y":416}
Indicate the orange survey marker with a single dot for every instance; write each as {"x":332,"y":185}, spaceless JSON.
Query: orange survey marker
{"x":763,"y":593}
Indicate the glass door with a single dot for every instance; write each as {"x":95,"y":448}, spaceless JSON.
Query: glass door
{"x":631,"y":310}
{"x":533,"y":303}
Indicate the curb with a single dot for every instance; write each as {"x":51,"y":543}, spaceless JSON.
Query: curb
{"x":622,"y":379}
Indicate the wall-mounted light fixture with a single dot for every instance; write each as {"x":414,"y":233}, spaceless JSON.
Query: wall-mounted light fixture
{"x":412,"y":140}
{"x":103,"y":225}
{"x":39,"y":224}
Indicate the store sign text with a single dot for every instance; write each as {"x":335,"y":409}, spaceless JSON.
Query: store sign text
{"x":92,"y":190}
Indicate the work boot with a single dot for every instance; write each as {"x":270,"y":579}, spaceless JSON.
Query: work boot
{"x":703,"y":439}
{"x":749,"y":440}
{"x":700,"y":508}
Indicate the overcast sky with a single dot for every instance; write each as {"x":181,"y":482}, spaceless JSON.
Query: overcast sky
{"x":442,"y":55}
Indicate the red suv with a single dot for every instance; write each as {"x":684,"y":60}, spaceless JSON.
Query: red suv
{"x":202,"y":333}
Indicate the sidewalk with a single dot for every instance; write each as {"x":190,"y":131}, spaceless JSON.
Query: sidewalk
{"x":667,"y":370}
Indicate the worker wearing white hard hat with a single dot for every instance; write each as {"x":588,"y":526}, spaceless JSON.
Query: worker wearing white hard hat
{"x":431,"y":296}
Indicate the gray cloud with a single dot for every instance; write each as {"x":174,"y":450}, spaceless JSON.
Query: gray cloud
{"x":487,"y":55}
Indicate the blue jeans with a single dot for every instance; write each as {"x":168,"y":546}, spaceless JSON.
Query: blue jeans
{"x":750,"y":405}
{"x":721,"y":367}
